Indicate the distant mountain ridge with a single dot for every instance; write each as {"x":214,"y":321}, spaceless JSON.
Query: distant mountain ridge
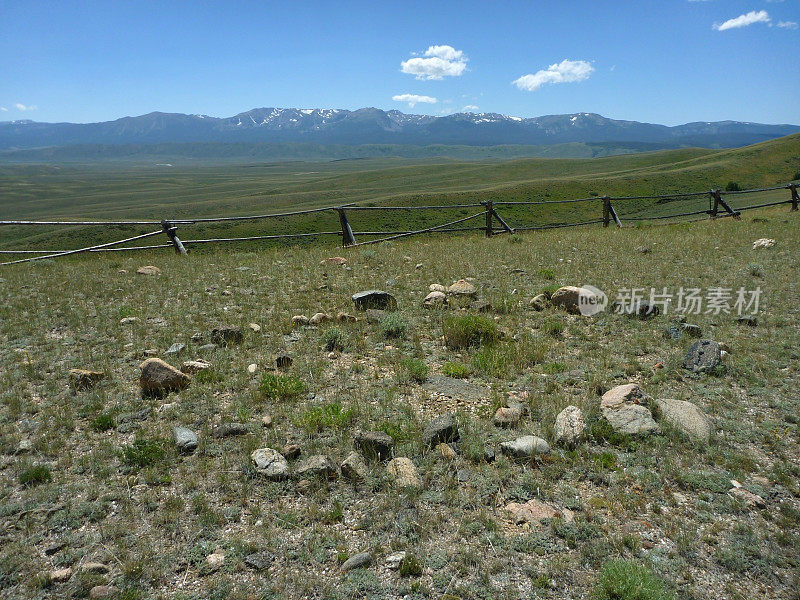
{"x":376,"y":126}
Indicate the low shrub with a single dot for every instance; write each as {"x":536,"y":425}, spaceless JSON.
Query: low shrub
{"x":280,"y":387}
{"x":414,"y":368}
{"x":628,"y":580}
{"x":456,"y":370}
{"x":334,"y":339}
{"x":144,"y":452}
{"x":327,"y":416}
{"x":35,"y":475}
{"x":469,"y":330}
{"x":394,"y":325}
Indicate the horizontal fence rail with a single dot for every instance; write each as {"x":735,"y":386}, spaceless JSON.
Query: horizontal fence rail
{"x":616,"y":210}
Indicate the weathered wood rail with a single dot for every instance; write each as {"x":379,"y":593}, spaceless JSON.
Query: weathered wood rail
{"x":489,"y":211}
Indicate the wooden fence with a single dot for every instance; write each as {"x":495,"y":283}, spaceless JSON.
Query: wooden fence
{"x":486,"y":211}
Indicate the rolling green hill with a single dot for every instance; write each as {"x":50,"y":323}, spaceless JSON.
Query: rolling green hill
{"x":151,"y":191}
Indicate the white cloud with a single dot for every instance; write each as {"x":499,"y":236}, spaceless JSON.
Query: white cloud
{"x":413,"y":99}
{"x":438,"y":62}
{"x":567,"y":71}
{"x":761,"y":16}
{"x":787,"y":24}
{"x":22,"y":107}
{"x":469,"y":108}
{"x":3,"y":108}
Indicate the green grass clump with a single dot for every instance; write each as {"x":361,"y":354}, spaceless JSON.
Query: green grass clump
{"x":394,"y":325}
{"x":35,"y":475}
{"x":553,"y":327}
{"x":414,"y":369}
{"x":334,"y":339}
{"x":456,"y":370}
{"x":280,"y":387}
{"x":627,"y":580}
{"x":103,"y":422}
{"x":733,"y":186}
{"x":410,"y":566}
{"x":469,"y":330}
{"x":144,"y":452}
{"x":328,"y":416}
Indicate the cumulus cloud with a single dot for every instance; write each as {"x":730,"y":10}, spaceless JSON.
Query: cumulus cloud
{"x":3,"y":108}
{"x":437,"y":62}
{"x":469,"y":108}
{"x":22,"y":107}
{"x":567,"y":71}
{"x":787,"y":24}
{"x":413,"y":99}
{"x":744,"y":20}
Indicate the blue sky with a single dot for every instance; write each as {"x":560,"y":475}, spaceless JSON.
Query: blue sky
{"x":663,"y":61}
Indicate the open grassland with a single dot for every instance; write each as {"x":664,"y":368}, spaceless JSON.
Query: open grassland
{"x":92,"y":476}
{"x":123,"y":192}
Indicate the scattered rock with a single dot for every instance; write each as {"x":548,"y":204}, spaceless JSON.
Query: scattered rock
{"x":291,"y":451}
{"x":704,"y":355}
{"x":749,"y":320}
{"x":148,"y":270}
{"x":299,"y":320}
{"x":643,"y":309}
{"x":533,"y":511}
{"x":446,"y":451}
{"x":643,"y":249}
{"x":24,"y":446}
{"x":319,"y":318}
{"x":434,"y":299}
{"x":317,"y":466}
{"x":436,"y":287}
{"x":456,"y":388}
{"x":207,"y":348}
{"x":229,"y":430}
{"x":623,"y":408}
{"x":441,"y":429}
{"x":94,"y":567}
{"x":61,"y":575}
{"x":270,"y":463}
{"x":354,"y":467}
{"x":55,"y":548}
{"x":176,"y":348}
{"x":374,"y":445}
{"x":283,"y":361}
{"x":763,"y":243}
{"x":373,"y":315}
{"x":481,"y":306}
{"x":462,"y":287}
{"x":252,"y":368}
{"x":570,"y":426}
{"x":539,"y":302}
{"x":139,"y":415}
{"x":254,"y":327}
{"x":568,"y":298}
{"x":157,"y":377}
{"x":215,"y":561}
{"x":103,"y":591}
{"x":259,"y":561}
{"x":507,"y":416}
{"x":375,"y":299}
{"x":393,"y":560}
{"x":128,"y":320}
{"x":81,"y":379}
{"x":403,"y":473}
{"x":343,"y":317}
{"x":192,"y":367}
{"x":266,"y":421}
{"x":526,"y":446}
{"x":686,"y":417}
{"x":752,"y":500}
{"x":692,"y":330}
{"x":226,"y":335}
{"x":357,"y":561}
{"x":334,"y":261}
{"x":185,"y":439}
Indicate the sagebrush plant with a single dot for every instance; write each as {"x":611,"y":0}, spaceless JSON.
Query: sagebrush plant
{"x":456,"y":369}
{"x":394,"y":325}
{"x":628,"y":580}
{"x":414,"y":368}
{"x":35,"y":475}
{"x":334,"y":339}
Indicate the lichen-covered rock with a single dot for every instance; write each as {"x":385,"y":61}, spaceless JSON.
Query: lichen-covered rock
{"x":317,"y":466}
{"x":506,"y":416}
{"x":623,"y":407}
{"x":82,"y":379}
{"x":703,"y":355}
{"x":686,"y":417}
{"x":440,"y":429}
{"x":526,"y":446}
{"x":158,"y":377}
{"x":403,"y":473}
{"x":270,"y":463}
{"x":434,"y":299}
{"x":185,"y":439}
{"x":570,"y":426}
{"x":354,"y":467}
{"x":374,"y":445}
{"x":376,"y":299}
{"x":462,"y":287}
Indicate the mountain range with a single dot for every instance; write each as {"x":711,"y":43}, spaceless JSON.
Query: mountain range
{"x":375,"y":126}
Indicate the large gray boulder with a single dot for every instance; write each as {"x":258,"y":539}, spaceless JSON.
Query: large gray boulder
{"x":624,"y":408}
{"x":703,"y":355}
{"x":441,"y":429}
{"x":185,"y":439}
{"x":526,"y":446}
{"x":157,"y":377}
{"x":403,"y":473}
{"x":376,"y":299}
{"x":686,"y":417}
{"x":374,"y":445}
{"x":570,"y":426}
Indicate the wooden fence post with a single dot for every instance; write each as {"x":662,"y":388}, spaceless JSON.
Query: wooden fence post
{"x":505,"y":225}
{"x":614,"y":215}
{"x":348,"y":239}
{"x":715,"y":206}
{"x":170,"y":230}
{"x":489,"y":210}
{"x":606,"y":211}
{"x":795,"y":197}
